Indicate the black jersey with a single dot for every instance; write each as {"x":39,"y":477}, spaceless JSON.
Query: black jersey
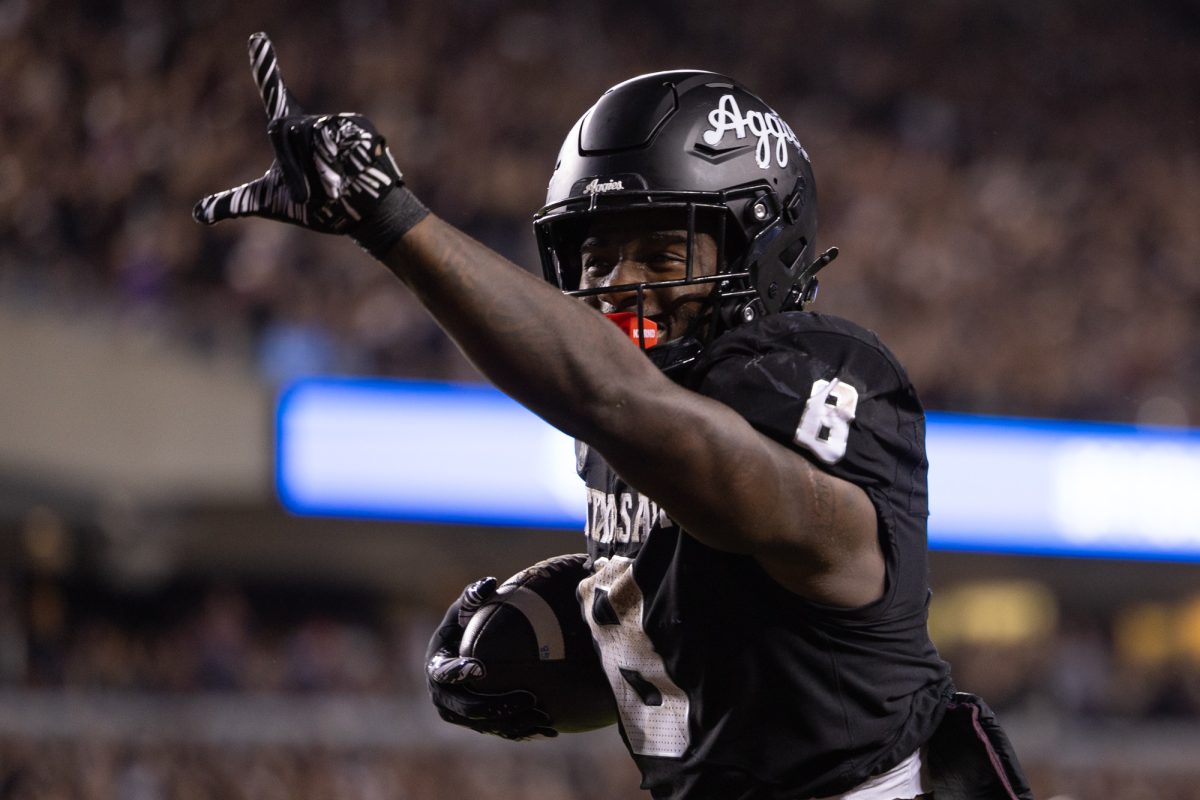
{"x":728,"y":685}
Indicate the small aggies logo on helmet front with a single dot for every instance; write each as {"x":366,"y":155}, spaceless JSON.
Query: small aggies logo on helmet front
{"x":599,"y":187}
{"x":727,"y":116}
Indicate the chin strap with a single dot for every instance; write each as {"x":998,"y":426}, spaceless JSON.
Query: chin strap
{"x":676,"y":358}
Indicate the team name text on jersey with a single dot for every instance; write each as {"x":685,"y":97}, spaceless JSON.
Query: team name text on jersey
{"x":627,"y":517}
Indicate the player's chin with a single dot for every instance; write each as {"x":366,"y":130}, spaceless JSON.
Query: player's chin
{"x":668,"y":334}
{"x":676,"y":325}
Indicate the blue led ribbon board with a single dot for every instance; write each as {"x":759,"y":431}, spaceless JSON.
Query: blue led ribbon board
{"x":410,"y":450}
{"x":421,"y":451}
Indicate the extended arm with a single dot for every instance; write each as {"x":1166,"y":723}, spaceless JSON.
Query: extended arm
{"x":726,"y":484}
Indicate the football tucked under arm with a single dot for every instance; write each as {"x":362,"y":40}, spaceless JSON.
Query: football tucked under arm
{"x":517,"y":660}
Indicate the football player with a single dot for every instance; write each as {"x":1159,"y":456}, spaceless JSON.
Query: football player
{"x":756,"y":472}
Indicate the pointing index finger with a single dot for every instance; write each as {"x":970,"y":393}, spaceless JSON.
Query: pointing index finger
{"x":277,"y":100}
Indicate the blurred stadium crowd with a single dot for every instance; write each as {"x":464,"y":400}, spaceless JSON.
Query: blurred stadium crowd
{"x":185,"y":651}
{"x":1022,"y":180}
{"x":299,"y":639}
{"x":1015,"y":189}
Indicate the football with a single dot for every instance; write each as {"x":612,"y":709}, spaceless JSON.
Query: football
{"x":532,"y":635}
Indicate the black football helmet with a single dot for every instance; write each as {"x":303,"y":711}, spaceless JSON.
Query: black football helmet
{"x":701,"y":143}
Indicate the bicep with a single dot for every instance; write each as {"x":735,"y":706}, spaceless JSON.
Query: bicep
{"x":737,"y":490}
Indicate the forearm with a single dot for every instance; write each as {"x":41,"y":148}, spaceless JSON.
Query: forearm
{"x":553,"y":354}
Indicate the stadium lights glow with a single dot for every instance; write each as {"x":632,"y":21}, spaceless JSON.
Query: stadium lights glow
{"x":420,"y":451}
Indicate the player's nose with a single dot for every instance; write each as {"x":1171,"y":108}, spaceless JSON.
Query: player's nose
{"x":625,"y":272}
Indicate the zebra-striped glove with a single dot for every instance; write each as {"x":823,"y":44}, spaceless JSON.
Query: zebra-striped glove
{"x":332,"y":173}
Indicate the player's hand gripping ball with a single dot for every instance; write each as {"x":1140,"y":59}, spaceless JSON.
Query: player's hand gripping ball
{"x":525,"y":664}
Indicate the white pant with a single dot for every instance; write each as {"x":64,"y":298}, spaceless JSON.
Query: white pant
{"x":906,"y":780}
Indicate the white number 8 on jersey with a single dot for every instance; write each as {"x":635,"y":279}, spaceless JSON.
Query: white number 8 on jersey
{"x":653,"y":708}
{"x":825,"y":424}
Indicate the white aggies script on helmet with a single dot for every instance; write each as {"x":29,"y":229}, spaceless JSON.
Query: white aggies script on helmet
{"x":596,"y":187}
{"x":727,"y":116}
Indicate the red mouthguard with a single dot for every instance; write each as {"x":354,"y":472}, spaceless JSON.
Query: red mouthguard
{"x":628,"y":322}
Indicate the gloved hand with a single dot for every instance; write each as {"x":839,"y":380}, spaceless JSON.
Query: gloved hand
{"x":512,"y":715}
{"x":332,"y":173}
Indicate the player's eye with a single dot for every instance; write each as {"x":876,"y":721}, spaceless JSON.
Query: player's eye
{"x":665,"y":260}
{"x":595,"y":265}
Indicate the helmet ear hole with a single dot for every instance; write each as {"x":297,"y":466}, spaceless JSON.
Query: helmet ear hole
{"x":791,"y":255}
{"x":795,"y":202}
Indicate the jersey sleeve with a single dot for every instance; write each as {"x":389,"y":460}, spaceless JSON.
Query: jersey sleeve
{"x":830,"y":390}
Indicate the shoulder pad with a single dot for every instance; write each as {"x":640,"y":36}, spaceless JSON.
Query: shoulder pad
{"x":819,"y":384}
